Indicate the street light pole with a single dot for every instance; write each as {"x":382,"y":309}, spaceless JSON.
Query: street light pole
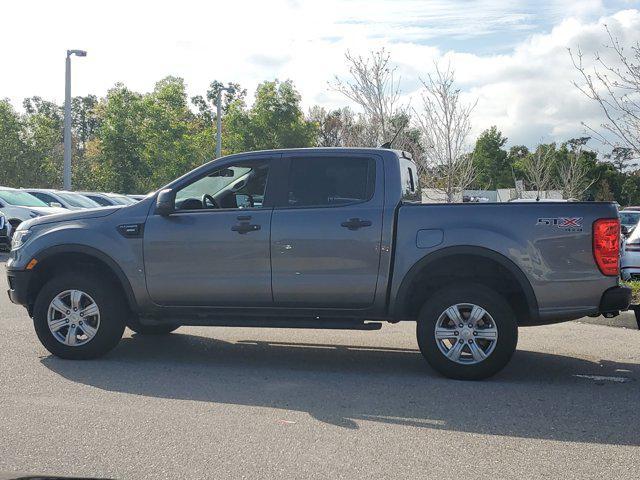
{"x":67,"y":117}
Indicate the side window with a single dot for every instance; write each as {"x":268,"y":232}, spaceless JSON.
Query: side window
{"x":318,"y":182}
{"x":409,"y":178}
{"x":44,"y":197}
{"x":233,"y":186}
{"x":99,"y":200}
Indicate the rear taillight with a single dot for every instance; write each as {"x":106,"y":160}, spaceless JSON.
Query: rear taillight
{"x":606,"y":245}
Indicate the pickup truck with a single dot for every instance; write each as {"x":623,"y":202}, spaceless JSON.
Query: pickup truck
{"x":317,"y":238}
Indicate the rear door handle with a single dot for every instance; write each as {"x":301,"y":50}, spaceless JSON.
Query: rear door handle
{"x":356,"y":223}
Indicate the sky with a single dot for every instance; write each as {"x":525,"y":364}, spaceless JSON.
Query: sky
{"x":509,"y":56}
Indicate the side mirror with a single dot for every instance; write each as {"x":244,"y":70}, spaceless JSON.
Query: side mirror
{"x":55,"y":204}
{"x":624,"y":230}
{"x":165,"y":203}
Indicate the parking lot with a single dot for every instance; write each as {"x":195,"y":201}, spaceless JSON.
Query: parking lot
{"x":247,"y":403}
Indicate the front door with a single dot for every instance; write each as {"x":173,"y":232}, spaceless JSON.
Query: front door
{"x":214,"y":249}
{"x":326,"y":232}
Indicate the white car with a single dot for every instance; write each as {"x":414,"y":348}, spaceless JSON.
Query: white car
{"x":630,"y":256}
{"x":629,"y":219}
{"x":58,"y":198}
{"x":18,"y":206}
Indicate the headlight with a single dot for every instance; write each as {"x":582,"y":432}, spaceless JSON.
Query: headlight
{"x":19,"y":238}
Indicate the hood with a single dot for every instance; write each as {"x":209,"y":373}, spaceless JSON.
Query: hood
{"x":66,"y":215}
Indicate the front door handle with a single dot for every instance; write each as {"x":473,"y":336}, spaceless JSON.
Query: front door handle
{"x":356,"y":223}
{"x":245,"y":227}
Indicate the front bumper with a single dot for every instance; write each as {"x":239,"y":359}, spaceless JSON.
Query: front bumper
{"x":615,"y":299}
{"x":18,"y":281}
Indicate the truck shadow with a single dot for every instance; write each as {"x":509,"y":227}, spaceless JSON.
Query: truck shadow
{"x":536,"y":396}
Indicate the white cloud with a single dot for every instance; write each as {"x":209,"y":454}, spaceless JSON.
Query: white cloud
{"x":522,"y":79}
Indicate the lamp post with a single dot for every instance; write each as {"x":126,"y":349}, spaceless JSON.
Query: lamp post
{"x":219,"y":119}
{"x":67,"y":117}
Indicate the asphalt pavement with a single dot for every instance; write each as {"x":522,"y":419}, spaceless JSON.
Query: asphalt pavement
{"x":266,"y":403}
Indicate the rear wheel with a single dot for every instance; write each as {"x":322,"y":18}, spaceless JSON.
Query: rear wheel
{"x":467,"y":332}
{"x":79,"y":316}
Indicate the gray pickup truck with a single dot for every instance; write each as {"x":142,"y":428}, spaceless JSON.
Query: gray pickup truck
{"x":317,"y":238}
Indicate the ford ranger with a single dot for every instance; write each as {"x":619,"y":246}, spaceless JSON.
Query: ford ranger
{"x":317,"y":238}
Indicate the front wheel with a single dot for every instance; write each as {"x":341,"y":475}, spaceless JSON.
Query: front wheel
{"x":79,"y":316}
{"x":467,"y":332}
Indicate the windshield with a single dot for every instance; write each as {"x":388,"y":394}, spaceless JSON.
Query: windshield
{"x":629,"y":219}
{"x":122,"y":200}
{"x":21,"y":199}
{"x":77,"y":200}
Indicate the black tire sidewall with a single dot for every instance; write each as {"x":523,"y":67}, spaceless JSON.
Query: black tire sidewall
{"x":494,"y":304}
{"x":112,"y":315}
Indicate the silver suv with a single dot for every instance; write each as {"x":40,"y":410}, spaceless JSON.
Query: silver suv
{"x":18,"y":206}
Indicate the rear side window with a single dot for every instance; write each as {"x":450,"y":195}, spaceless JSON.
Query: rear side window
{"x":318,"y":182}
{"x":409,"y":179}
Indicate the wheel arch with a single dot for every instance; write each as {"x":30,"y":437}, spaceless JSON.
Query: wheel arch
{"x":52,"y":259}
{"x":409,"y":298}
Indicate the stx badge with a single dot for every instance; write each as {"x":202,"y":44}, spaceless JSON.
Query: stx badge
{"x":568,"y":224}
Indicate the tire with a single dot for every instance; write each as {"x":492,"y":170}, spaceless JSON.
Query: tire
{"x":140,"y":329}
{"x":477,"y":357}
{"x":110,"y":321}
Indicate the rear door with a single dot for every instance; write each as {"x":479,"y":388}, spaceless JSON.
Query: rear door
{"x":326,"y":231}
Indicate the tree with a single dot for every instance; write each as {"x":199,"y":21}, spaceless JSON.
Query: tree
{"x":84,"y":121}
{"x":335,"y":128}
{"x":614,"y":84}
{"x":373,"y":86}
{"x":445,"y":123}
{"x":573,"y":172}
{"x":605,"y":194}
{"x":621,"y":158}
{"x":206,"y":104}
{"x":538,"y":167}
{"x":630,"y":191}
{"x":275,"y":120}
{"x":492,"y":161}
{"x":12,"y":145}
{"x":118,"y":163}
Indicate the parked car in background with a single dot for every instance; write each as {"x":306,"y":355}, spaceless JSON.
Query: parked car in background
{"x":630,"y":256}
{"x":18,"y":206}
{"x":58,"y":198}
{"x":5,"y":233}
{"x":109,"y":199}
{"x":629,"y":219}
